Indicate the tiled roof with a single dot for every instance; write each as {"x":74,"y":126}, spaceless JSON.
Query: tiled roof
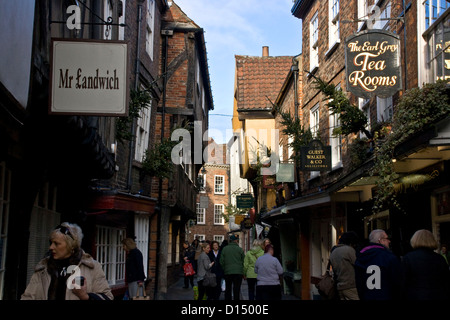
{"x":259,"y":78}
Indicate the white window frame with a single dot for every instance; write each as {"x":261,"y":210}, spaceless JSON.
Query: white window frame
{"x":219,"y":238}
{"x":5,"y":194}
{"x":335,"y":142}
{"x":203,"y":186}
{"x":280,"y":151}
{"x":364,"y":105}
{"x":200,"y":237}
{"x":143,"y":131}
{"x":201,"y":214}
{"x":314,"y":43}
{"x":385,"y":109}
{"x":217,"y":189}
{"x":110,"y":254}
{"x":385,"y":14}
{"x":141,"y":232}
{"x":290,"y":149}
{"x":363,"y":9}
{"x":314,"y":120}
{"x":333,"y":24}
{"x":436,"y":50}
{"x":314,"y":125}
{"x":150,"y":28}
{"x":218,"y":214}
{"x":108,"y":12}
{"x":427,"y":5}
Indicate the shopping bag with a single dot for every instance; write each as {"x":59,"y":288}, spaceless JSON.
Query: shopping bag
{"x":327,"y":286}
{"x":188,"y":269}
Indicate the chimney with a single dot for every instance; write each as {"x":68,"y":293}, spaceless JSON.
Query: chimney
{"x":265,"y":51}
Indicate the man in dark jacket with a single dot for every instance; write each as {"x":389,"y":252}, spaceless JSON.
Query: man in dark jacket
{"x":378,"y":271}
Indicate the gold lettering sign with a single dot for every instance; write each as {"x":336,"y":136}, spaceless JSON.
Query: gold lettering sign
{"x":373,"y":63}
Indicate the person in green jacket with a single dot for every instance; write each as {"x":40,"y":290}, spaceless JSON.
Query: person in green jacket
{"x":249,"y":266}
{"x":232,"y":262}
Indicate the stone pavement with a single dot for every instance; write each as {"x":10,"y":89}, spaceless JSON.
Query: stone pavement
{"x":177,"y":292}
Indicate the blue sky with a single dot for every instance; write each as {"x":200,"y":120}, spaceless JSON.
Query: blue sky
{"x":240,"y":27}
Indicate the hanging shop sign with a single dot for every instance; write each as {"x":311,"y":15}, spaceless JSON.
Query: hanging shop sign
{"x":247,"y":223}
{"x":372,"y":63}
{"x":315,"y":157}
{"x":89,"y":77}
{"x":285,"y":173}
{"x":244,"y":201}
{"x":268,"y":182}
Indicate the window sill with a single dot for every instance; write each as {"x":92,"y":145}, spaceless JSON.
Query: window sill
{"x":313,"y":71}
{"x":337,"y":166}
{"x":313,"y":177}
{"x":332,"y":48}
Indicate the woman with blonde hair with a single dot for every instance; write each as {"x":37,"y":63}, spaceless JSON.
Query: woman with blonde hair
{"x":427,"y":276}
{"x":67,"y":272}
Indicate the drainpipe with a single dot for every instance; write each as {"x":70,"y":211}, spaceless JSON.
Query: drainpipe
{"x":136,"y":85}
{"x":296,"y":105}
{"x":166,"y":34}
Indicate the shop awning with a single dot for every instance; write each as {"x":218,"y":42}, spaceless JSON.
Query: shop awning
{"x":114,"y":200}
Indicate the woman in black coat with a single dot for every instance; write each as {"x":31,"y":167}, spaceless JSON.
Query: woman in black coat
{"x":134,"y":268}
{"x":427,"y":276}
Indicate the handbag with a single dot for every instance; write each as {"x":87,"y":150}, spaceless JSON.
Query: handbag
{"x":188,"y":269}
{"x":327,"y":286}
{"x":210,"y":280}
{"x":138,"y":297}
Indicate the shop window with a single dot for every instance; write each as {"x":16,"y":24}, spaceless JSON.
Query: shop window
{"x":438,"y":49}
{"x":141,"y":232}
{"x":110,"y":253}
{"x":44,"y":218}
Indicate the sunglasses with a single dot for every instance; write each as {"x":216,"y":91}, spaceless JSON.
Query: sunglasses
{"x":64,"y":230}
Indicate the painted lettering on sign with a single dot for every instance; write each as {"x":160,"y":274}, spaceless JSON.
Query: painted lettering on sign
{"x":373,"y":63}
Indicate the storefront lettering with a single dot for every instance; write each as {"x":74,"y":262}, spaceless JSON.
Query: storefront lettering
{"x":98,"y":81}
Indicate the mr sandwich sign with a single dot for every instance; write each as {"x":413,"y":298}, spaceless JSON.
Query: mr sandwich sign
{"x":372,"y":60}
{"x":89,"y":77}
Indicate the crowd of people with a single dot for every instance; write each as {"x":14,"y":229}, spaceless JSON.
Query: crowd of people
{"x":360,"y":272}
{"x":230,"y":266}
{"x":374,"y":272}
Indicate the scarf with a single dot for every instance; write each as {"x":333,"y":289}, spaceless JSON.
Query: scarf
{"x":59,"y":275}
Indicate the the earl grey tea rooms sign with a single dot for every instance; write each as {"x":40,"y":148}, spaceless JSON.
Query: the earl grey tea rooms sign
{"x":372,"y":59}
{"x":89,"y":77}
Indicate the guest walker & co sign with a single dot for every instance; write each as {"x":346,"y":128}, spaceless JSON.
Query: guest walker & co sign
{"x":372,"y":59}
